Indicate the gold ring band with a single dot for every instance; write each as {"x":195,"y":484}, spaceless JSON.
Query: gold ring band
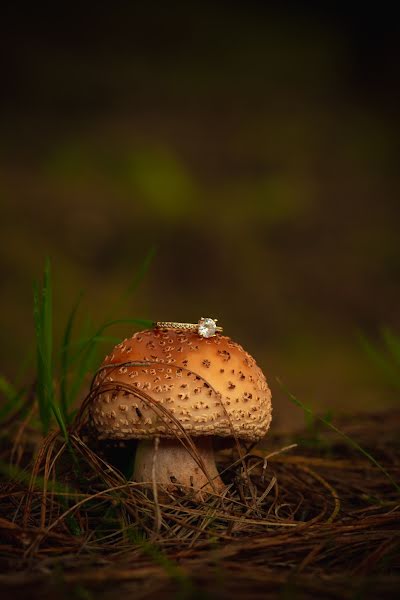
{"x":206,"y":327}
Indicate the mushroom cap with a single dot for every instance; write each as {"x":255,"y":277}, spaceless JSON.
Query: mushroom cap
{"x":209,"y":386}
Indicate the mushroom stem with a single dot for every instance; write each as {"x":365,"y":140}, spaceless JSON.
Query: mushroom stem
{"x":174,"y":468}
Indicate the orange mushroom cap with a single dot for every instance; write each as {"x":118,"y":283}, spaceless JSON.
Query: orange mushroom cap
{"x":208,"y":386}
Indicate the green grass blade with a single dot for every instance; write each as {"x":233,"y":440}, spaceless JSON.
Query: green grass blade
{"x":42,"y":311}
{"x":145,"y":323}
{"x":40,"y":368}
{"x":65,"y":358}
{"x":80,"y":344}
{"x":12,"y":405}
{"x":12,"y":395}
{"x":346,"y":437}
{"x":137,"y":278}
{"x":173,"y":570}
{"x":83,"y":368}
{"x":7,"y":389}
{"x":24,"y":476}
{"x":47,"y":308}
{"x":88,"y":353}
{"x":142,"y":270}
{"x":392,"y":342}
{"x":60,"y":420}
{"x":381,"y":362}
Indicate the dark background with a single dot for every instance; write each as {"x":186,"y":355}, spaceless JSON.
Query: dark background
{"x":257,"y":148}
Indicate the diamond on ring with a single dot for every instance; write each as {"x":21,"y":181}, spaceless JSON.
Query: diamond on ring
{"x":207,"y":327}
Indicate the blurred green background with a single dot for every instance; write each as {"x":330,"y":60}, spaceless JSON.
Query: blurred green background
{"x":256,"y":148}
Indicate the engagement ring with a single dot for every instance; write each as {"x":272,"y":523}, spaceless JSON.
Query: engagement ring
{"x":205,"y":327}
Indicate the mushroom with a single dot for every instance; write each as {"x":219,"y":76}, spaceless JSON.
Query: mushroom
{"x":161,"y":386}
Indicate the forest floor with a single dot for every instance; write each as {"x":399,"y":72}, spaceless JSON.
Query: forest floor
{"x":307,"y":515}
